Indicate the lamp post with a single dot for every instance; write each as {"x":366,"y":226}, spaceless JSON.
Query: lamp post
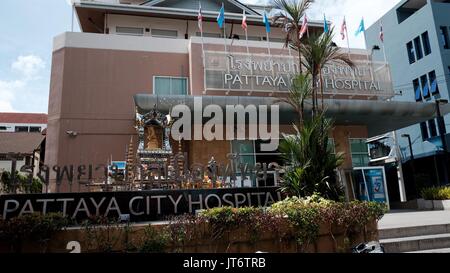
{"x":442,"y":133}
{"x":413,"y":169}
{"x":375,"y":47}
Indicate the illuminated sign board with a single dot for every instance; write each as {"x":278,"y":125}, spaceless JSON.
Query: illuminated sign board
{"x":236,"y":72}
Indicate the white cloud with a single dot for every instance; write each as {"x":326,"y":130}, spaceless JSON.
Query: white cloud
{"x":23,"y":89}
{"x":28,"y":66}
{"x":7,"y":94}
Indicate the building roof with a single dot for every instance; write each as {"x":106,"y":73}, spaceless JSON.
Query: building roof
{"x":91,"y":14}
{"x":229,"y":5}
{"x":20,"y":143}
{"x":23,"y":118}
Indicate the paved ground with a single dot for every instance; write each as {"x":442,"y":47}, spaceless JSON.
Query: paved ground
{"x":396,"y":219}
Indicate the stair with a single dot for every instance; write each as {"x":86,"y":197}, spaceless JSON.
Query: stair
{"x":417,"y":239}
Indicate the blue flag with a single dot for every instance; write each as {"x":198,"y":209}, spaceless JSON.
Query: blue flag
{"x":221,"y":17}
{"x":266,"y":22}
{"x":325,"y":24}
{"x":361,"y":28}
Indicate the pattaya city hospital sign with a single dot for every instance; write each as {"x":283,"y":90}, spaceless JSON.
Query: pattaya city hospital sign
{"x":274,"y":73}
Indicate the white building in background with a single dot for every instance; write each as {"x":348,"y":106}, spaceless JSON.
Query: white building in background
{"x":23,"y":122}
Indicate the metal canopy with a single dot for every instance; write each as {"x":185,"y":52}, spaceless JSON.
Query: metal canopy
{"x":380,"y":117}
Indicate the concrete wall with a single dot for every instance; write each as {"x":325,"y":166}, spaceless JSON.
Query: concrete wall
{"x":92,"y":94}
{"x":396,"y":36}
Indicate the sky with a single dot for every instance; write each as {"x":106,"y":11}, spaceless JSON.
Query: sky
{"x":28,"y":27}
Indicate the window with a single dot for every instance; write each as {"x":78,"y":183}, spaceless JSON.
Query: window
{"x":359,"y":151}
{"x":267,"y":156}
{"x":134,"y":31}
{"x":28,"y":161}
{"x":3,"y":128}
{"x":424,"y":131}
{"x":417,"y":91}
{"x":21,"y":129}
{"x":433,"y":83}
{"x":418,"y":48}
{"x":410,"y":48}
{"x":210,"y":35}
{"x":332,"y":145}
{"x":170,"y":86}
{"x":274,"y":40}
{"x":246,"y":151}
{"x":254,"y":38}
{"x":432,"y":126}
{"x":426,"y":43}
{"x":444,"y":37}
{"x":425,"y":86}
{"x":164,"y":33}
{"x":35,"y":129}
{"x":441,"y":126}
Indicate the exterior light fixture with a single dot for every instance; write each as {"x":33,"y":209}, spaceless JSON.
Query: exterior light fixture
{"x":72,"y":133}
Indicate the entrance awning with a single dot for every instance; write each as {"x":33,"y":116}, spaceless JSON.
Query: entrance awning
{"x":379,"y":116}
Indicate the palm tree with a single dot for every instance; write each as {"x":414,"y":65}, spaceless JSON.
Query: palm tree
{"x":299,"y":91}
{"x":319,"y":51}
{"x":289,"y":18}
{"x":311,"y":159}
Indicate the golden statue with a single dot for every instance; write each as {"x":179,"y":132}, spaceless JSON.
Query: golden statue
{"x":153,"y":138}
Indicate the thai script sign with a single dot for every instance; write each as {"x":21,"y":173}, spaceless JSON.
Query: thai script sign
{"x":273,"y":73}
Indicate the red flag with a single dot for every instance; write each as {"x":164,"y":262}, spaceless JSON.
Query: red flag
{"x":381,"y":33}
{"x":343,"y":29}
{"x":200,"y":18}
{"x":304,"y":28}
{"x":244,"y":21}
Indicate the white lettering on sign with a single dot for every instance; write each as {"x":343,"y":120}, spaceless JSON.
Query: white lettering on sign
{"x":137,"y":206}
{"x":263,"y":73}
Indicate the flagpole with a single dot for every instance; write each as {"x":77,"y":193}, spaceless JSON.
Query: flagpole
{"x":246,"y":41}
{"x":384,"y":53}
{"x":346,"y":34}
{"x":73,"y":14}
{"x":201,"y":34}
{"x":368,"y":58}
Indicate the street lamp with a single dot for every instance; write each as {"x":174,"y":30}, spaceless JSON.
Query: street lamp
{"x":442,"y":133}
{"x":412,"y":159}
{"x":410,"y":145}
{"x":374,"y":47}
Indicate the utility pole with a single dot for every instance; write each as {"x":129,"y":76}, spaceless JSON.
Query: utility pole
{"x":442,"y":133}
{"x":413,"y":168}
{"x":398,"y":158}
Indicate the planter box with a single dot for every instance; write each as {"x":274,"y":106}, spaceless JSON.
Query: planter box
{"x":433,"y":204}
{"x":423,"y":204}
{"x":238,"y":242}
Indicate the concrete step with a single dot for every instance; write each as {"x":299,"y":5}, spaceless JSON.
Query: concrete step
{"x":413,"y":231}
{"x":442,"y":250}
{"x":416,"y":243}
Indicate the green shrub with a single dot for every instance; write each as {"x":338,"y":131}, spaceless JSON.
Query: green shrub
{"x":31,"y":228}
{"x":307,"y":215}
{"x":22,"y":183}
{"x":436,"y":193}
{"x":154,"y":241}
